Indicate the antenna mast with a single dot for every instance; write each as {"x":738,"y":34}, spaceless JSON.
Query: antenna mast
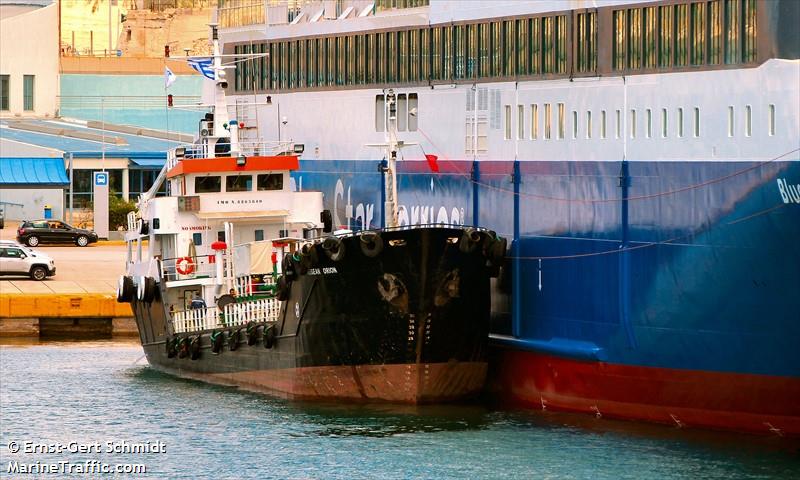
{"x":390,"y":205}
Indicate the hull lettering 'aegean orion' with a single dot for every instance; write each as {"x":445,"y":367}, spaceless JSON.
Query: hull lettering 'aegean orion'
{"x":641,"y":156}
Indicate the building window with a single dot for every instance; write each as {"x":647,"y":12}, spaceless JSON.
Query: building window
{"x":269,"y":181}
{"x":210,"y":184}
{"x":574,"y":124}
{"x":508,"y":123}
{"x":602,"y":124}
{"x":561,"y":121}
{"x":664,"y":124}
{"x":748,"y":121}
{"x":649,"y":132}
{"x":618,"y":132}
{"x":588,"y":124}
{"x":259,"y":235}
{"x":534,"y":121}
{"x":633,"y":123}
{"x":521,"y":122}
{"x":730,"y":121}
{"x":696,"y":122}
{"x":680,"y":122}
{"x":547,"y":120}
{"x":771,"y":120}
{"x":4,"y":80}
{"x":238,"y":183}
{"x":27,"y":92}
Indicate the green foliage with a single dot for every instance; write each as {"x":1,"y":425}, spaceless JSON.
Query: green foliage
{"x":118,"y":211}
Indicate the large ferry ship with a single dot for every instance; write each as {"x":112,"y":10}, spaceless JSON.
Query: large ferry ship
{"x":643,"y":156}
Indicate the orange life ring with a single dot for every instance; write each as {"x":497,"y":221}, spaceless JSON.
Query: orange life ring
{"x":184,"y":265}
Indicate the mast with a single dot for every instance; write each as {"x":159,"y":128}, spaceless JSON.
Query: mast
{"x":220,"y":102}
{"x":390,"y":205}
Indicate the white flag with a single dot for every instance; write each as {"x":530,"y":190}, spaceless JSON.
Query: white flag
{"x":169,"y":77}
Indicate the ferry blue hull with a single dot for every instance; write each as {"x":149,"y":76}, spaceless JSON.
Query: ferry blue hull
{"x":681,"y":278}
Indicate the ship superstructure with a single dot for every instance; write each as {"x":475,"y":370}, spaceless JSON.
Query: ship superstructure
{"x":643,"y":157}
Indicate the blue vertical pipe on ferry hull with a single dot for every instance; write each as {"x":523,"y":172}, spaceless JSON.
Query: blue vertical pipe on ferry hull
{"x":710,"y":248}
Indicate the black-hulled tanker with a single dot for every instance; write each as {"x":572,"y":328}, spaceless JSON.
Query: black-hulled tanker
{"x":399,"y":315}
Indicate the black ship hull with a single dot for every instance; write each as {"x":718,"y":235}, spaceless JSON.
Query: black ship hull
{"x":402,"y":318}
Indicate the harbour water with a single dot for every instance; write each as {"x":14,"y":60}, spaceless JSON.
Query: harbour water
{"x":102,"y":395}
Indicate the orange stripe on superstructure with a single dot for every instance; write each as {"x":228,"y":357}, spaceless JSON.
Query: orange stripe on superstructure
{"x":228,"y":164}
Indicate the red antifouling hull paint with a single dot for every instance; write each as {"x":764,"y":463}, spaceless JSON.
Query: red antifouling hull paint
{"x":717,"y":400}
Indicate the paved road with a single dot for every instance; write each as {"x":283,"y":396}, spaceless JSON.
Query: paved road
{"x":92,"y":269}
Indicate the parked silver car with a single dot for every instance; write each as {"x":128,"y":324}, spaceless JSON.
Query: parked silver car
{"x":16,"y":259}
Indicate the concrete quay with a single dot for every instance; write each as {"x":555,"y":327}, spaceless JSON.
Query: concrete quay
{"x":78,"y":302}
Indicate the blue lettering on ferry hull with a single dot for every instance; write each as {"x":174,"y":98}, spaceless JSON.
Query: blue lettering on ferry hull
{"x":701,"y":263}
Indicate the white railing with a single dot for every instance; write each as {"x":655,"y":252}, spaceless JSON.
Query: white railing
{"x":233,"y":315}
{"x":191,"y":151}
{"x":257,"y":311}
{"x":245,"y":285}
{"x":195,"y":320}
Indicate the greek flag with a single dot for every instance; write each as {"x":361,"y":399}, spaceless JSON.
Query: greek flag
{"x":169,"y":77}
{"x":203,"y":67}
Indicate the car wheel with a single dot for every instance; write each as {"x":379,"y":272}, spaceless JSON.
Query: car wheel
{"x":82,"y":241}
{"x":32,"y":241}
{"x":38,"y":273}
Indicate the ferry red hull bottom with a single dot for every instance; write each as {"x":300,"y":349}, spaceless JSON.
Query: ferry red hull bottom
{"x":396,"y":383}
{"x":749,"y":403}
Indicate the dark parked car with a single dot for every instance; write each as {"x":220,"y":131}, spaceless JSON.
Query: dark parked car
{"x":32,"y":233}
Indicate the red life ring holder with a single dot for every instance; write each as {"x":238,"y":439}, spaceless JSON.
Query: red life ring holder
{"x":184,"y":265}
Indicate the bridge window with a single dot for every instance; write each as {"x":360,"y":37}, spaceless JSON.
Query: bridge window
{"x":749,"y":52}
{"x":681,"y":35}
{"x":680,"y":122}
{"x":561,"y":121}
{"x":665,"y":36}
{"x":633,"y":123}
{"x":269,"y":181}
{"x":238,"y":183}
{"x":698,"y":33}
{"x":664,"y":124}
{"x":649,"y":132}
{"x":732,"y":21}
{"x":574,"y":124}
{"x":508,"y":123}
{"x":521,"y":122}
{"x":603,"y":124}
{"x":534,"y":121}
{"x":209,"y":184}
{"x":696,"y":122}
{"x":650,"y":31}
{"x":618,"y":132}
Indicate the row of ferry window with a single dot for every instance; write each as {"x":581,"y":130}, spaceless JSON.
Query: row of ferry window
{"x":532,"y":132}
{"x":238,"y":183}
{"x":699,"y":33}
{"x":510,"y":48}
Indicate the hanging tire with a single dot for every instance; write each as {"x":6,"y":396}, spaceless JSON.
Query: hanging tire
{"x":172,"y":347}
{"x":371,"y":244}
{"x":125,"y":289}
{"x":308,"y":256}
{"x":270,"y":335}
{"x":233,"y":339}
{"x":183,"y":347}
{"x":333,"y":248}
{"x":283,"y":289}
{"x":497,"y":251}
{"x":217,"y":342}
{"x":150,"y":289}
{"x":288,"y":268}
{"x":470,"y":240}
{"x":252,"y":333}
{"x":194,"y":347}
